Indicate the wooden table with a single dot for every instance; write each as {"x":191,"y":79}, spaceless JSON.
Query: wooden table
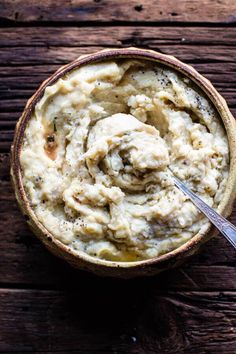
{"x":47,"y":307}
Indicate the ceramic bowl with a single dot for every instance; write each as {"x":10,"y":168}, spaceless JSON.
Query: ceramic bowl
{"x":125,"y":269}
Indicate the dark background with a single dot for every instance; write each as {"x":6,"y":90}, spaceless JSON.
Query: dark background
{"x":46,"y":306}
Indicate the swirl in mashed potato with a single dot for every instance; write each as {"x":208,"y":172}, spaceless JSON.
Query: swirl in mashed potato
{"x":97,"y":152}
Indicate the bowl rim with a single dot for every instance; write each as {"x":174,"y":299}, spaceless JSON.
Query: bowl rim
{"x":225,"y":206}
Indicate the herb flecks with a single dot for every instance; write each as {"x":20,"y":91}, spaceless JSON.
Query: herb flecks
{"x":54,"y":124}
{"x":50,"y":139}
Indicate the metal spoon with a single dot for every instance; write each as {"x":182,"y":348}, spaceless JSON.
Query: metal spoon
{"x":223,"y":225}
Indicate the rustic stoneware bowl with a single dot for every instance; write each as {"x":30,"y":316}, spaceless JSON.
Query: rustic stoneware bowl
{"x":125,"y":269}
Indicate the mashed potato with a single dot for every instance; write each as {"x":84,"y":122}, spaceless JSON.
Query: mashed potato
{"x":97,"y":156}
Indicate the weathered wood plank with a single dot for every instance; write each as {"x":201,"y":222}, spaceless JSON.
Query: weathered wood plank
{"x":25,"y":261}
{"x":190,"y":310}
{"x":63,"y":55}
{"x":127,"y":317}
{"x":104,"y":11}
{"x":113,"y":36}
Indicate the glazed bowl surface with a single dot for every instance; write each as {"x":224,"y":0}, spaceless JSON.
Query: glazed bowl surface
{"x":136,"y":268}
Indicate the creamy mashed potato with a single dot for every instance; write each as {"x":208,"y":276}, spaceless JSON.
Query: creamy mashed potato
{"x":97,"y":156}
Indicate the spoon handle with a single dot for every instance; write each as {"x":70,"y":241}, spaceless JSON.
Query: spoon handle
{"x":223,"y":225}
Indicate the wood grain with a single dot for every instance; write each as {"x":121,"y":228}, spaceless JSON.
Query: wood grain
{"x":110,"y":10}
{"x":113,"y":36}
{"x":124,"y":318}
{"x":45,"y":305}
